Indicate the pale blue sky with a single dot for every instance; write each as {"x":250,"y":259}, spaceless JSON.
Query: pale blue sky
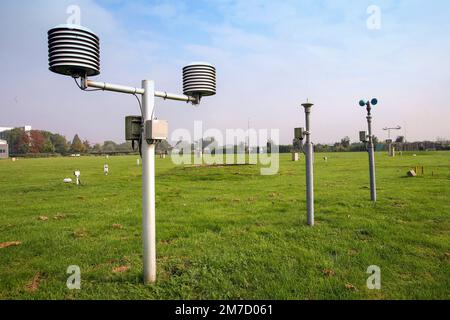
{"x":270,"y":56}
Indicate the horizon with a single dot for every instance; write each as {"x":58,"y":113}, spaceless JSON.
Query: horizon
{"x":264,"y":69}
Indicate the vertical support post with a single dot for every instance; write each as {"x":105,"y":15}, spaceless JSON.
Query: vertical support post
{"x":148,"y":188}
{"x":309,"y":157}
{"x":373,"y":190}
{"x":248,"y":142}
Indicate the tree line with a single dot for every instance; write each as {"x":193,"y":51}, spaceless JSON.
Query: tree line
{"x":22,"y":142}
{"x":44,"y":142}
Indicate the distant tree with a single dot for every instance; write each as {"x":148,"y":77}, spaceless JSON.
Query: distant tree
{"x":47,"y":134}
{"x":59,"y":143}
{"x":23,"y":143}
{"x":357,"y":146}
{"x":345,"y":143}
{"x":375,"y":140}
{"x":285,"y":148}
{"x":76,"y":146}
{"x":97,"y":148}
{"x":163,"y":147}
{"x":37,"y":141}
{"x":18,"y":141}
{"x":86,"y":145}
{"x":400,"y":139}
{"x":48,"y":147}
{"x":322,"y":148}
{"x":37,"y":145}
{"x":124,"y":147}
{"x":109,"y":146}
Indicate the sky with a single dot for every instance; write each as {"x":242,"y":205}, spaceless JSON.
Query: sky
{"x":270,"y":57}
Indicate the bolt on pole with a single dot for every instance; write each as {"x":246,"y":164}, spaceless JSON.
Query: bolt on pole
{"x":309,"y":157}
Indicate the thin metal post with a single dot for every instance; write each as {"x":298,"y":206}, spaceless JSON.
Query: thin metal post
{"x":309,"y":157}
{"x":373,"y":190}
{"x":148,"y":188}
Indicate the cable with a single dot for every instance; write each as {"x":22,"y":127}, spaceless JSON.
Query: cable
{"x":140,"y":107}
{"x":142,"y":116}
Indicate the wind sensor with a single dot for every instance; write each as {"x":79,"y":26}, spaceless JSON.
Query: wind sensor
{"x":368,"y":140}
{"x":75,"y":51}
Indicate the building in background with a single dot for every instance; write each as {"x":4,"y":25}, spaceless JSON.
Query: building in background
{"x":3,"y":149}
{"x":4,"y":130}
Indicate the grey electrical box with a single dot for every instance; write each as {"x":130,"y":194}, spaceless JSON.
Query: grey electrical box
{"x":133,"y":126}
{"x":299,"y":133}
{"x":362,"y":136}
{"x":156,"y":130}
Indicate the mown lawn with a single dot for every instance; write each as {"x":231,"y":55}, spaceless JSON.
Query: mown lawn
{"x":227,"y":232}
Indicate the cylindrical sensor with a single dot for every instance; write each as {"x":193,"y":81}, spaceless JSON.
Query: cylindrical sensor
{"x":199,"y":79}
{"x":73,"y":51}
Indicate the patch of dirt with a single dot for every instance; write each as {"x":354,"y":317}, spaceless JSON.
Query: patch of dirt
{"x":328,"y":272}
{"x":10,"y":244}
{"x":101,"y":265}
{"x":43,"y":218}
{"x":59,"y":216}
{"x":117,"y":226}
{"x":120,"y":269}
{"x":350,"y":286}
{"x":399,"y":204}
{"x":79,"y":233}
{"x":274,"y":194}
{"x":167,"y":241}
{"x":33,"y":285}
{"x":447,"y":255}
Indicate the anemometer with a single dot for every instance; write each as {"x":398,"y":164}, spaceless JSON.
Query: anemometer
{"x":367,"y":139}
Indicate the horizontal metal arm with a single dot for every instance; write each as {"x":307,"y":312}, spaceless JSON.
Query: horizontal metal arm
{"x":131,"y":90}
{"x":172,"y":96}
{"x":113,"y":87}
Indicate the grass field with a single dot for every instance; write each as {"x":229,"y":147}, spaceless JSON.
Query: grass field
{"x":227,"y":232}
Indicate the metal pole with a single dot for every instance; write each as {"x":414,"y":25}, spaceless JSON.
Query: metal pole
{"x":148,"y":188}
{"x":309,"y":157}
{"x":373,"y":191}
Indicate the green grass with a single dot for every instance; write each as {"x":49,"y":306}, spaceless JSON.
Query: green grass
{"x":228,"y":232}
